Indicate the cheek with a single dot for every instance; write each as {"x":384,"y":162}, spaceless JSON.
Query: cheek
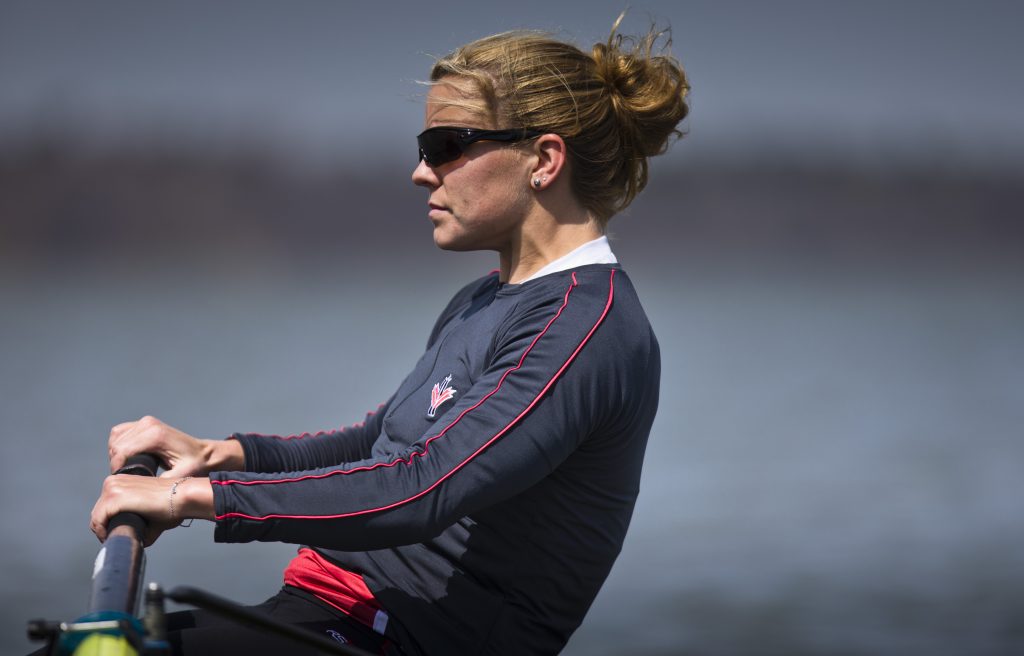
{"x":485,"y":193}
{"x":506,"y":196}
{"x":482,"y":197}
{"x":499,"y":207}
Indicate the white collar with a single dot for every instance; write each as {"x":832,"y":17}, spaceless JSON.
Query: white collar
{"x":597,"y":251}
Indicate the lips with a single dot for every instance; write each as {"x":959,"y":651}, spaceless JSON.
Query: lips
{"x":436,"y":210}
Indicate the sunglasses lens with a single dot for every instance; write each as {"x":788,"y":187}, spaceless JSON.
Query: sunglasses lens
{"x":439,"y":146}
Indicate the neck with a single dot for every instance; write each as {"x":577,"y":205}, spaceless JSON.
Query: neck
{"x":543,"y":241}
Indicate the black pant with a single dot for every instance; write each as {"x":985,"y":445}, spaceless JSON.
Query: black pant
{"x":200,"y":632}
{"x":195,"y":632}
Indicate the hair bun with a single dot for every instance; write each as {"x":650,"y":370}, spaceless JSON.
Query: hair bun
{"x":647,"y":91}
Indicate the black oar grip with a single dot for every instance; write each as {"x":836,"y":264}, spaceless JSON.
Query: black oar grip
{"x":141,"y":464}
{"x":134,"y":522}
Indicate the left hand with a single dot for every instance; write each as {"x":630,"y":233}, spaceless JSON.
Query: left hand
{"x":150,"y":498}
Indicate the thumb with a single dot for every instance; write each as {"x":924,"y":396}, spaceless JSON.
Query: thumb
{"x":176,"y":473}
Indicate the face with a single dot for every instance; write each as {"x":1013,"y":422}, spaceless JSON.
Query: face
{"x":479,"y":201}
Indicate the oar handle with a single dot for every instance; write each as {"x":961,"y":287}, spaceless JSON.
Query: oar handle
{"x":141,"y":464}
{"x":117,"y":576}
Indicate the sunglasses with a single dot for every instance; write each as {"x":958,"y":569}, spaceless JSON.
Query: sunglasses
{"x":445,"y":144}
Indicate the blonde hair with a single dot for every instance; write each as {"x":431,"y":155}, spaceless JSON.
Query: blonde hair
{"x":615,"y":107}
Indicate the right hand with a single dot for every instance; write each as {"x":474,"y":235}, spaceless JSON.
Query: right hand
{"x":148,"y":497}
{"x":181,"y":454}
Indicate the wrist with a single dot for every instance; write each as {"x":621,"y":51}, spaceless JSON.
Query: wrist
{"x":192,"y":498}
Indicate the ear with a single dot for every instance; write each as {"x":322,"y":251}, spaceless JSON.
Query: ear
{"x":552,"y":156}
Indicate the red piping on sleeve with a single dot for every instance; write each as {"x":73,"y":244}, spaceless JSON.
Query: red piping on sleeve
{"x":408,"y":461}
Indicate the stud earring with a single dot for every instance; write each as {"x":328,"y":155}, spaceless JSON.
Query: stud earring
{"x":536,"y":183}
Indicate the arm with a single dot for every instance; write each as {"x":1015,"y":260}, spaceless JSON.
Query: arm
{"x":276,"y":453}
{"x":185,"y":457}
{"x":540,"y":396}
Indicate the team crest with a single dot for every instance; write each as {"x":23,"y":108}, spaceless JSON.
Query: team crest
{"x":442,"y":392}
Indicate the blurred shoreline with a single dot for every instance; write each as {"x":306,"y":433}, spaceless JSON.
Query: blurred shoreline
{"x":65,"y":202}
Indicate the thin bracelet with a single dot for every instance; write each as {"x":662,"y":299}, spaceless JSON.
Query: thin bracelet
{"x":170,"y":500}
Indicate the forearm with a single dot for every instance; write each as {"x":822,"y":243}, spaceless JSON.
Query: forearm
{"x":223,"y":455}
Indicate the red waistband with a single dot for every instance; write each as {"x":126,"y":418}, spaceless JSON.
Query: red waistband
{"x":338,"y":587}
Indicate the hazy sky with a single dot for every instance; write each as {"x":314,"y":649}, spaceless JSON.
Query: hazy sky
{"x":338,"y":76}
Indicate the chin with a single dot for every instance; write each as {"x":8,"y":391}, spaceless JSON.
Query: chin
{"x":449,"y":242}
{"x":454,"y":247}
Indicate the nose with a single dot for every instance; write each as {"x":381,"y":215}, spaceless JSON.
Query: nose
{"x":424,"y":175}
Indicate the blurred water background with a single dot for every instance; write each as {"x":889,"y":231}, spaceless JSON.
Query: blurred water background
{"x":836,"y":467}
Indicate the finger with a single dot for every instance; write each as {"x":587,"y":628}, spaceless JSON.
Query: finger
{"x":121,"y":428}
{"x":106,"y":506}
{"x":117,"y":459}
{"x":98,"y":521}
{"x":116,"y":450}
{"x":135,"y":438}
{"x":116,"y":435}
{"x":180,"y":470}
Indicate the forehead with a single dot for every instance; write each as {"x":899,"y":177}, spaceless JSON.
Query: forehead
{"x":454,"y":101}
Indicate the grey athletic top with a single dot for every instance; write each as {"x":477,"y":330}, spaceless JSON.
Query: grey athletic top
{"x":485,"y":502}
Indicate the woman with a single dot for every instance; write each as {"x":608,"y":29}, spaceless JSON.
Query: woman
{"x":481,"y":507}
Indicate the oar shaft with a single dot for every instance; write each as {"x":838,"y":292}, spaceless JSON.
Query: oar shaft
{"x":117,"y":575}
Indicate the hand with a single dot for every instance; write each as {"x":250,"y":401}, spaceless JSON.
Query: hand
{"x":180,"y":453}
{"x":150,"y":497}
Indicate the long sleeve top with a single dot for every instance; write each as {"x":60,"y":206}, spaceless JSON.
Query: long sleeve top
{"x":485,"y":502}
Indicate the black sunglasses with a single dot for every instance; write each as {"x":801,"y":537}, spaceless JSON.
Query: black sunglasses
{"x":446,"y":144}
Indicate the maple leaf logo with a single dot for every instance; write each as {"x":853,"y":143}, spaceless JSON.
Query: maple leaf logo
{"x":439,"y":394}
